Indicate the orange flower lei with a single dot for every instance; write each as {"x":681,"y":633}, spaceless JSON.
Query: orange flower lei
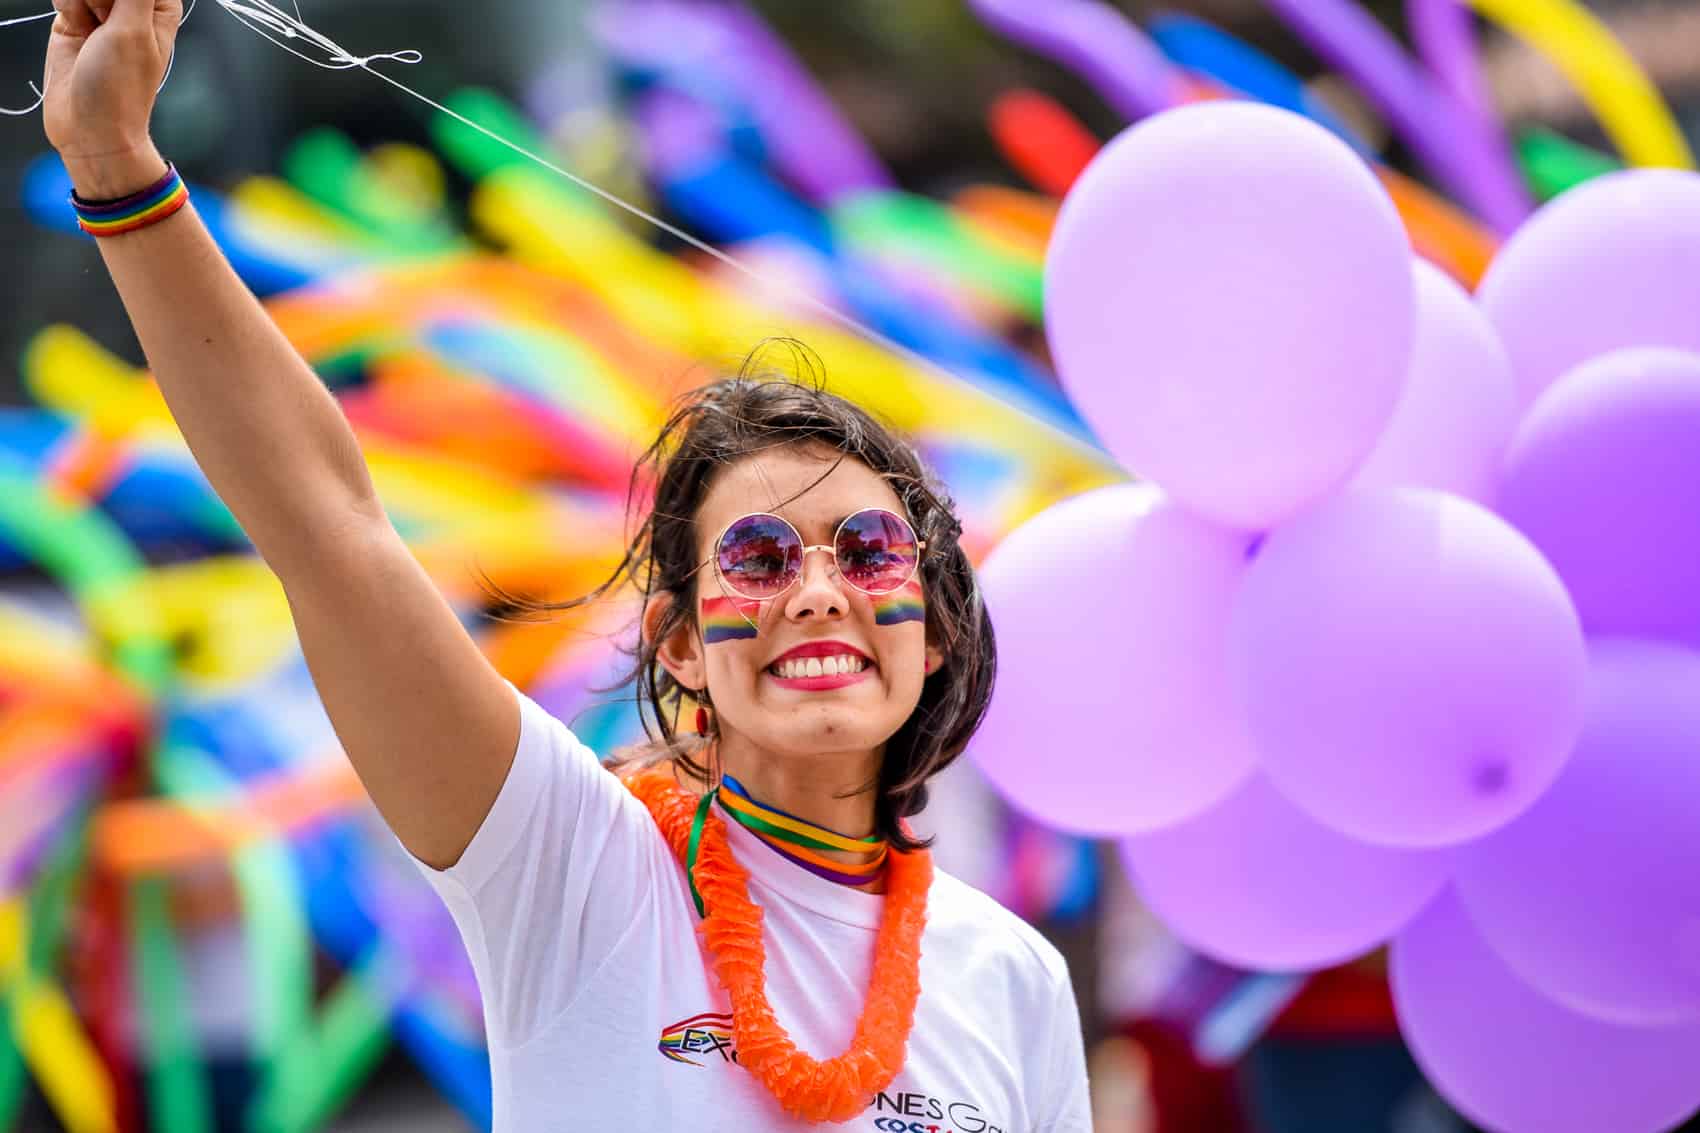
{"x":842,"y":1087}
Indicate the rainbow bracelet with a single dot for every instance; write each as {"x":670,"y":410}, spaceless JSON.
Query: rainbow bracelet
{"x":150,"y":206}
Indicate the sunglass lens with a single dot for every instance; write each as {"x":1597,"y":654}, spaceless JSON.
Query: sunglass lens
{"x":759,"y":556}
{"x":877,"y":551}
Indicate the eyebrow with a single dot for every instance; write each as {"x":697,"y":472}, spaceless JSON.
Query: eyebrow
{"x":831,"y":526}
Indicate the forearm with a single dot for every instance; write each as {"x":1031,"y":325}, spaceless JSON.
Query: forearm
{"x":268,"y":435}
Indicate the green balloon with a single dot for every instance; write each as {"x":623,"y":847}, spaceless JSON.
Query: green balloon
{"x":345,"y":1045}
{"x":179,"y":1097}
{"x":328,"y":167}
{"x":12,"y":1077}
{"x":274,"y":921}
{"x":925,"y":229}
{"x":91,"y":558}
{"x":1552,"y":163}
{"x":477,"y":154}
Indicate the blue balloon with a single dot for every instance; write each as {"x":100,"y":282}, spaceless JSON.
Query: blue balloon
{"x":1201,"y":46}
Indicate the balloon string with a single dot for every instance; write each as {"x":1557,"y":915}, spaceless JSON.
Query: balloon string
{"x":40,"y":95}
{"x":285,"y":31}
{"x":41,"y":92}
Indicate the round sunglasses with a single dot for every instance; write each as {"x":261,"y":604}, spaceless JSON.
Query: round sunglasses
{"x":760,"y":556}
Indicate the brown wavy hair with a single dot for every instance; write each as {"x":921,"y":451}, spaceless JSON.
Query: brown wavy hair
{"x":762,"y":407}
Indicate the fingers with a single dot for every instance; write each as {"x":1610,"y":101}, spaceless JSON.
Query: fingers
{"x":125,"y":13}
{"x":75,"y":18}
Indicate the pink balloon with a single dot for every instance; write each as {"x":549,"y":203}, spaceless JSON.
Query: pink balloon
{"x":1228,"y":296}
{"x":1604,"y":476}
{"x":1256,"y":883}
{"x":1593,"y":896}
{"x":1459,"y":408}
{"x":1613,"y":262}
{"x":1514,"y":1061}
{"x":1412,"y":668}
{"x":1111,"y":713}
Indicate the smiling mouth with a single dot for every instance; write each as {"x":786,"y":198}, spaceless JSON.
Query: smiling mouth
{"x":814,"y":678}
{"x":843,"y":664}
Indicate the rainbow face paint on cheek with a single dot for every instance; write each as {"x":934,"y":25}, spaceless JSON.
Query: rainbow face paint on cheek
{"x":905,"y":604}
{"x":724,"y":619}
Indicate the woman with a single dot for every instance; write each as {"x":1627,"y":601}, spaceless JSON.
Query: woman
{"x":665,"y":948}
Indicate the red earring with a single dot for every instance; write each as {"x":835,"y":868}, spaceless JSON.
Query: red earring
{"x":702,"y":720}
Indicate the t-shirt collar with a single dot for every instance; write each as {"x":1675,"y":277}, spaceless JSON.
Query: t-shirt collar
{"x":828,"y":898}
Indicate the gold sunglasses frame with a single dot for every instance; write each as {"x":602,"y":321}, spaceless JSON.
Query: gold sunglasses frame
{"x":829,"y":548}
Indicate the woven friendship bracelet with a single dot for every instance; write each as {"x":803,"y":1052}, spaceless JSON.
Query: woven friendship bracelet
{"x":150,"y":206}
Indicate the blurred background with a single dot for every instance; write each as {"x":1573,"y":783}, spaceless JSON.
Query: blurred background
{"x":201,"y":924}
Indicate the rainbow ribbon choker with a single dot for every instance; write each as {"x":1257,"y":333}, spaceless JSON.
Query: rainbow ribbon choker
{"x":798,"y":839}
{"x":150,"y":206}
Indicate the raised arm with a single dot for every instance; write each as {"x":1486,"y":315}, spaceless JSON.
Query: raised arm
{"x":430,"y":727}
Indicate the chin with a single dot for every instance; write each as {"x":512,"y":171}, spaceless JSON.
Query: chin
{"x":840,"y":730}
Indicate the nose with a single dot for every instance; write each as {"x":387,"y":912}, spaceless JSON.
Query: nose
{"x":819,"y":591}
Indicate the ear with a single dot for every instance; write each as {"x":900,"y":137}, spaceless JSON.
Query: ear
{"x":934,"y":659}
{"x":680,"y":652}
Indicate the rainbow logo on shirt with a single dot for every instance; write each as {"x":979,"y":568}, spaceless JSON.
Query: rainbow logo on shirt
{"x":708,"y":1033}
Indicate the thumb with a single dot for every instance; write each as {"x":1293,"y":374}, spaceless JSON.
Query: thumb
{"x":167,"y":18}
{"x":74,"y":19}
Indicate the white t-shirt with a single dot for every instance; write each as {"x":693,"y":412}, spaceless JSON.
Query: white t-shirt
{"x":602,"y":1011}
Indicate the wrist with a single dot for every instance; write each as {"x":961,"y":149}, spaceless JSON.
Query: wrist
{"x":111,"y":176}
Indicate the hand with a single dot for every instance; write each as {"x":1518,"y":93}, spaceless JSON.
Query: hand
{"x":105,"y":62}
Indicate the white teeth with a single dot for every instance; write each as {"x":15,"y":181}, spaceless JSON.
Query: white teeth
{"x":818,"y":666}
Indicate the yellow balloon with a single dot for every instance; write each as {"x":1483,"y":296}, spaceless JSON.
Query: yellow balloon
{"x":228,"y":612}
{"x":66,"y":1065}
{"x":1607,"y":77}
{"x":54,"y":1045}
{"x":701,"y":317}
{"x":410,"y":171}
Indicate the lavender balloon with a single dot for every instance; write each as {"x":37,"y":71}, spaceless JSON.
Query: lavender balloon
{"x":1614,"y":262}
{"x":1604,"y":476}
{"x":1095,"y":41}
{"x":1515,"y":1062}
{"x":1412,"y":668}
{"x":1255,"y":883}
{"x":1456,"y":144}
{"x":1593,"y":896}
{"x":1111,"y":713}
{"x":1228,"y":295}
{"x":1459,"y":409}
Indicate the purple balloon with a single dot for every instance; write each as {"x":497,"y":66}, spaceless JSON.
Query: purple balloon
{"x":1459,"y":409}
{"x":726,"y":45}
{"x":1256,"y":883}
{"x":1593,"y":896}
{"x":1514,"y":1061}
{"x":1096,"y":41}
{"x":1229,"y":298}
{"x":1444,"y":34}
{"x":1111,"y":713}
{"x":1412,"y":668}
{"x":1613,"y":262}
{"x":1454,"y":143}
{"x":1604,"y":476}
